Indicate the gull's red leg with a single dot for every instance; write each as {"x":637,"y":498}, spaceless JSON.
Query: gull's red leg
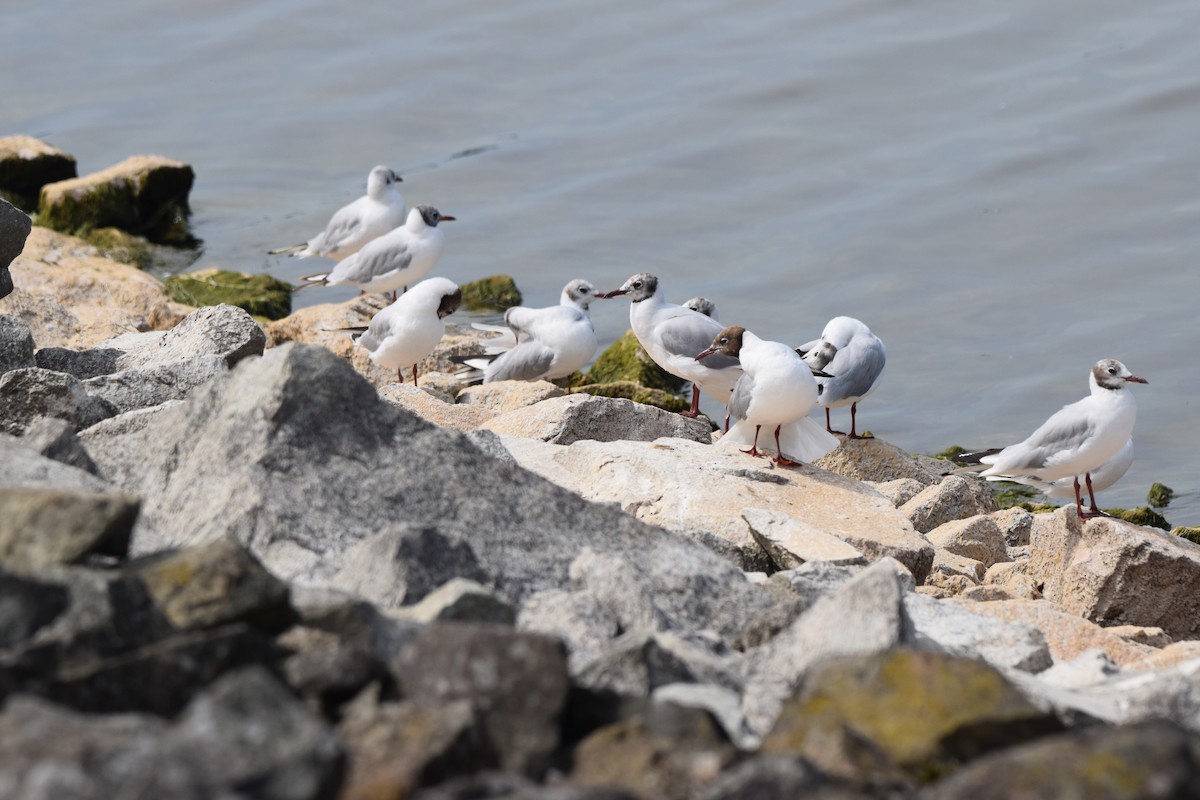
{"x":694,"y":411}
{"x":753,"y":451}
{"x":780,"y":459}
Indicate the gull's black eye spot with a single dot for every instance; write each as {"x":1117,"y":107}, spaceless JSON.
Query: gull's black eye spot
{"x":583,"y":290}
{"x":1112,"y":370}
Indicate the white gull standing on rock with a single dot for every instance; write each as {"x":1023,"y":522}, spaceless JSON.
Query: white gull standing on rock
{"x":541,"y":343}
{"x":397,"y":259}
{"x":1078,"y":438}
{"x":355,"y":224}
{"x":854,"y":357}
{"x":777,"y":390}
{"x":410,"y":328}
{"x":673,"y":335}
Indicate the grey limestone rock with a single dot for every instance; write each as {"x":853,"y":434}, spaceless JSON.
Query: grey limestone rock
{"x":14,"y":229}
{"x":55,"y":438}
{"x":954,"y":498}
{"x":16,"y":344}
{"x":29,"y":394}
{"x":575,"y":417}
{"x":40,"y":528}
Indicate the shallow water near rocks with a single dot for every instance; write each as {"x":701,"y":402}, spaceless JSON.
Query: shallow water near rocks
{"x":1004,"y":194}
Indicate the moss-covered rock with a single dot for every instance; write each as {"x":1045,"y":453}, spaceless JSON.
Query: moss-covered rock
{"x":26,"y":165}
{"x":1160,"y":496}
{"x":637,"y":393}
{"x":146,"y":195}
{"x":1191,"y":534}
{"x":950,"y":453}
{"x":626,"y":360}
{"x":1014,"y":494}
{"x":1140,"y":516}
{"x":923,"y":713}
{"x":497,"y":292}
{"x":138,"y":251}
{"x":260,"y":295}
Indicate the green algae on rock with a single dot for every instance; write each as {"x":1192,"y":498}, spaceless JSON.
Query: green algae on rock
{"x":260,"y":295}
{"x":147,"y":195}
{"x":497,"y":292}
{"x":1191,"y":534}
{"x":1140,"y":516}
{"x":1160,"y":496}
{"x":626,"y":360}
{"x":138,"y":251}
{"x":923,"y":713}
{"x":637,"y":393}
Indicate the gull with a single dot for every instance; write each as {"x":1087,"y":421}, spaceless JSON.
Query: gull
{"x":542,"y":343}
{"x":1078,"y":438}
{"x":407,"y":330}
{"x":355,"y":224}
{"x":672,"y":335}
{"x":776,"y":390}
{"x":855,"y":356}
{"x":396,"y":259}
{"x":705,"y":306}
{"x":1103,"y":476}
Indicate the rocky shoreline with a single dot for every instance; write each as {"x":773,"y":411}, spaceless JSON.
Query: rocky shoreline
{"x":237,"y":561}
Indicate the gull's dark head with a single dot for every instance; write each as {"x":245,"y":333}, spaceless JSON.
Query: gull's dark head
{"x":432,"y":216}
{"x":1112,"y":374}
{"x":580,"y":293}
{"x":639,"y":287}
{"x":726,"y":343}
{"x":449,"y":303}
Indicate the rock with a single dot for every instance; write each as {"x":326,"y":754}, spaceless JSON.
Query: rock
{"x":29,"y":394}
{"x":143,"y":194}
{"x":516,"y":682}
{"x":71,"y":297}
{"x":500,"y":785}
{"x":1066,"y":635}
{"x":864,"y":615}
{"x":578,"y":619}
{"x":394,"y":748}
{"x":133,"y":389}
{"x":215,"y":584}
{"x":16,"y":344}
{"x":1013,"y":577}
{"x":771,"y":777}
{"x":640,"y":661}
{"x":637,"y":393}
{"x":43,"y":527}
{"x":83,"y":364}
{"x":55,"y":438}
{"x":978,"y":538}
{"x":461,"y":600}
{"x":723,"y":704}
{"x":875,"y":460}
{"x":429,"y":407}
{"x":666,"y":752}
{"x":690,"y":487}
{"x":27,"y":606}
{"x":954,"y":498}
{"x":312,"y":464}
{"x":1155,"y":759}
{"x":23,"y":466}
{"x":1169,"y":656}
{"x":1115,"y":573}
{"x":496,"y":293}
{"x":949,"y":710}
{"x":1086,"y":669}
{"x":1016,"y":524}
{"x":14,"y":230}
{"x":26,"y":165}
{"x":790,"y":543}
{"x":501,"y":397}
{"x":626,"y":360}
{"x":326,"y":670}
{"x":899,"y":491}
{"x":947,"y":564}
{"x":138,"y":251}
{"x":259,"y":295}
{"x":222,"y":330}
{"x":1138,"y":634}
{"x":955,"y":629}
{"x":578,"y":417}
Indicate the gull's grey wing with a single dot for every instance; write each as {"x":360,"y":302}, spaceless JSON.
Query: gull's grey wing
{"x":739,"y":401}
{"x":1058,"y":436}
{"x":856,"y":380}
{"x":377,"y":331}
{"x":341,"y":228}
{"x":525,"y":362}
{"x":692,"y":333}
{"x":370,"y":264}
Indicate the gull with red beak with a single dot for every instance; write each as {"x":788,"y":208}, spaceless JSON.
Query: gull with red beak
{"x":1078,"y":439}
{"x":673,"y":335}
{"x":777,"y":390}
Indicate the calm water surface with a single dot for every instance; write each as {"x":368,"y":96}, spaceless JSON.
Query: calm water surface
{"x":1005,"y":193}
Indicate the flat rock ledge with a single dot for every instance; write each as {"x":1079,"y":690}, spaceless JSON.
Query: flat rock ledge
{"x":233,"y":569}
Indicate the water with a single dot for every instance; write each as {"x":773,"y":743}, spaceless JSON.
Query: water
{"x":1004,"y":193}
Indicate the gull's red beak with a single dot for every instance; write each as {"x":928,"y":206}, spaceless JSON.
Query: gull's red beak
{"x":704,"y":354}
{"x":613,"y":293}
{"x":1136,"y":379}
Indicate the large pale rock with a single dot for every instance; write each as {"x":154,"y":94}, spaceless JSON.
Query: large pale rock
{"x":427,"y":405}
{"x":1016,"y":524}
{"x":55,"y":438}
{"x":71,"y":297}
{"x":142,"y":194}
{"x":688,"y":487}
{"x":864,"y":615}
{"x":954,"y":498}
{"x":27,"y":395}
{"x":134,"y":389}
{"x":956,"y":629}
{"x":578,"y":417}
{"x":504,"y":396}
{"x":22,"y":465}
{"x":312,"y":466}
{"x":978,"y":538}
{"x":790,"y":543}
{"x":1066,"y":635}
{"x":875,"y":460}
{"x":43,"y":527}
{"x":1117,"y":573}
